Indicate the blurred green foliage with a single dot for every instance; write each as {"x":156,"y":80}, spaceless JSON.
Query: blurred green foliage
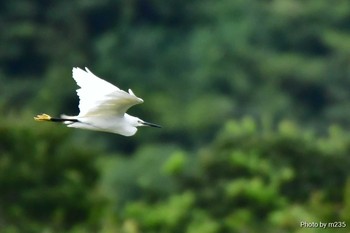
{"x":46,"y":179}
{"x":253,"y":97}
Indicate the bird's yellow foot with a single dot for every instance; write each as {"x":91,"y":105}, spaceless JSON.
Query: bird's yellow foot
{"x":42,"y":117}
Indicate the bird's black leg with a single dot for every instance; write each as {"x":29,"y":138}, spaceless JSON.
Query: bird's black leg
{"x":45,"y":117}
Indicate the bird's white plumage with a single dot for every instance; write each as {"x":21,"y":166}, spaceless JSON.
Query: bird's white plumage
{"x":102,"y":106}
{"x":99,"y":97}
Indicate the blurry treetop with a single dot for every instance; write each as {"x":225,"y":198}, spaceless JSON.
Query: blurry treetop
{"x":197,"y":63}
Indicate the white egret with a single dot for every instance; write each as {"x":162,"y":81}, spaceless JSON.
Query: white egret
{"x":102,"y":107}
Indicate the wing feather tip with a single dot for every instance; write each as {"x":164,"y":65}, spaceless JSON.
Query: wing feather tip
{"x":78,"y":69}
{"x":133,"y":94}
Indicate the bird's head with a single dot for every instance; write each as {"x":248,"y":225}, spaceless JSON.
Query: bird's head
{"x":136,"y":122}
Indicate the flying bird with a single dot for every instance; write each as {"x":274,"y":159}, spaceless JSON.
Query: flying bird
{"x":102,"y":107}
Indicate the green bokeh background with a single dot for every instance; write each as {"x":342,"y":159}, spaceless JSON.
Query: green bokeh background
{"x":253,"y":97}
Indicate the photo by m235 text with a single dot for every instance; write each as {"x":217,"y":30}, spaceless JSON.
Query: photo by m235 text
{"x":320,"y":224}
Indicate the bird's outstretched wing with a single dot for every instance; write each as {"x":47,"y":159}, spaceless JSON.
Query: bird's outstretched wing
{"x":100,"y":98}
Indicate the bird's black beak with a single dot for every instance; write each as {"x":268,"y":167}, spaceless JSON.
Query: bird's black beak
{"x":151,"y":124}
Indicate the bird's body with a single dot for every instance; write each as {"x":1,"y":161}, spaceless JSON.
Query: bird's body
{"x":119,"y":125}
{"x":102,"y":107}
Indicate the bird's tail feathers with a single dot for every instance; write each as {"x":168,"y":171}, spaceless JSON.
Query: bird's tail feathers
{"x":64,"y":116}
{"x":69,"y":119}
